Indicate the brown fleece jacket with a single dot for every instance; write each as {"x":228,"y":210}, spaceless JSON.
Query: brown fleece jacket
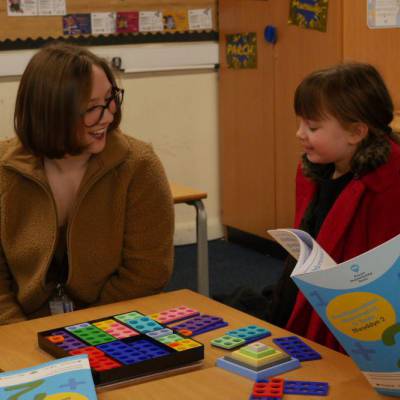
{"x":119,"y":235}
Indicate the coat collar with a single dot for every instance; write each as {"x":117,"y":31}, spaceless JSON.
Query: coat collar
{"x":19,"y":159}
{"x":384,"y":176}
{"x":343,"y":210}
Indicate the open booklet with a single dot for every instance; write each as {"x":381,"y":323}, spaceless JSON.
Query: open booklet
{"x":67,"y":378}
{"x":359,"y":300}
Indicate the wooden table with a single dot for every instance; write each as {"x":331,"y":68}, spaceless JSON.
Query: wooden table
{"x":18,"y":349}
{"x":184,"y":194}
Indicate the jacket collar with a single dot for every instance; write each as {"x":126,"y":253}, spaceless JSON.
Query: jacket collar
{"x":342,"y":213}
{"x":19,"y":159}
{"x":384,"y":176}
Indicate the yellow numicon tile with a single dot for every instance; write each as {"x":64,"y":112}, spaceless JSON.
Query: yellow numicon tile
{"x":155,"y":316}
{"x":103,"y":325}
{"x":183,"y":345}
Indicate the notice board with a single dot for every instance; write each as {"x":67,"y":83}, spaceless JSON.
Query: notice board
{"x":27,"y":31}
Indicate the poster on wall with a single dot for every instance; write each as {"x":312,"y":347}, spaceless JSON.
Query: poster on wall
{"x":200,"y":18}
{"x":103,"y":23}
{"x":17,"y":8}
{"x":24,"y":8}
{"x":383,"y":14}
{"x":76,"y":24}
{"x":309,"y":14}
{"x":151,"y":21}
{"x":51,"y":7}
{"x":241,"y":50}
{"x":127,"y":21}
{"x":175,"y":20}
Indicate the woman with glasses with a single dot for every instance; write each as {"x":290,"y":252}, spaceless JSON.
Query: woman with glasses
{"x":86,"y":215}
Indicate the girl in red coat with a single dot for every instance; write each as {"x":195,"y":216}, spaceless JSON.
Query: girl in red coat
{"x":348,"y":183}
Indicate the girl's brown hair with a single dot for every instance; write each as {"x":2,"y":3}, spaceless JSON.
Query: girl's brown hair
{"x":350,"y":92}
{"x":53,"y":93}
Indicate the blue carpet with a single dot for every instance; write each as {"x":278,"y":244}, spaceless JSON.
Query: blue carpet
{"x":230,"y":266}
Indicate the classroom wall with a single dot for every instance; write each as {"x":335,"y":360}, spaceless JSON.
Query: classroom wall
{"x":177,"y":113}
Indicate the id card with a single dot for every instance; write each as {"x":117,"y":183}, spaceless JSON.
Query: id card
{"x":60,"y":303}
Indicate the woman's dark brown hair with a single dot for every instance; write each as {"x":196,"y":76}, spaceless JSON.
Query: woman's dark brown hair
{"x":53,"y":93}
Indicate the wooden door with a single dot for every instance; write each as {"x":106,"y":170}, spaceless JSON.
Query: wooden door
{"x":246,"y":109}
{"x":379,"y":47}
{"x":298,"y":52}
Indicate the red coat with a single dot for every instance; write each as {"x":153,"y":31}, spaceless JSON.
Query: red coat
{"x":366,"y":214}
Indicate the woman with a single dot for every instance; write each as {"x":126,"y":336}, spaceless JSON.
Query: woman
{"x":86,"y":215}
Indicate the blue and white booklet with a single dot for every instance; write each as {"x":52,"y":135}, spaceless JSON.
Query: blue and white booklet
{"x":67,"y":378}
{"x":359,"y":300}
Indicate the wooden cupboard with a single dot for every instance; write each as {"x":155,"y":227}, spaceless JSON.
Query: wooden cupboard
{"x":258,"y":149}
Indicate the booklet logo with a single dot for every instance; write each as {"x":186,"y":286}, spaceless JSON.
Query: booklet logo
{"x":358,"y":276}
{"x":355,"y":268}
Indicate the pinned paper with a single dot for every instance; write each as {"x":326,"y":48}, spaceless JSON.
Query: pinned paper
{"x":151,"y":21}
{"x":241,"y":50}
{"x":200,"y":19}
{"x":17,"y":8}
{"x":51,"y":7}
{"x":383,"y":14}
{"x":76,"y":24}
{"x":21,"y":8}
{"x":310,"y":14}
{"x":175,"y":20}
{"x":103,"y":23}
{"x":127,"y":22}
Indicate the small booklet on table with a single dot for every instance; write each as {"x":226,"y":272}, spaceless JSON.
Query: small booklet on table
{"x":67,"y":378}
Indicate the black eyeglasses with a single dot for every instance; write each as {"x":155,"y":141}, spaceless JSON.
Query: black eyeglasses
{"x":93,"y":115}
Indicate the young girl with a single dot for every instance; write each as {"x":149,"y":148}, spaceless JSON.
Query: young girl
{"x":86,"y":213}
{"x":348,"y":184}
